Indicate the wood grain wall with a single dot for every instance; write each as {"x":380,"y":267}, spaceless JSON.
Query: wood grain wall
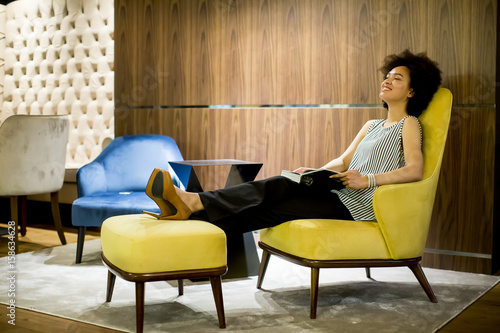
{"x":243,"y":79}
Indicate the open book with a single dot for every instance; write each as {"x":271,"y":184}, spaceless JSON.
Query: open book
{"x":318,"y":176}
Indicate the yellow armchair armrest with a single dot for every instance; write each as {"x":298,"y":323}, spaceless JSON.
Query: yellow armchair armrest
{"x":403,"y":212}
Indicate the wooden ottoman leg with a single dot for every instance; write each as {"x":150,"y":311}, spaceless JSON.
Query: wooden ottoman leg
{"x":180,"y":286}
{"x":219,"y":304}
{"x":111,"y":286}
{"x":368,"y":273}
{"x":139,"y":306}
{"x":314,"y":291}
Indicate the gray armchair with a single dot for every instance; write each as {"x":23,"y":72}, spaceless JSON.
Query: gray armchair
{"x":32,"y":161}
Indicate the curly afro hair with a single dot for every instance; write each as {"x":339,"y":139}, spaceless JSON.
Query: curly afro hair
{"x":425,"y":78}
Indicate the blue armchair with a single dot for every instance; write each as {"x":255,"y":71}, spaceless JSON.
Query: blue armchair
{"x":115,"y":182}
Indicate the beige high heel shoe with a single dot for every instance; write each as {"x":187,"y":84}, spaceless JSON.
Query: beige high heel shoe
{"x":161,"y":189}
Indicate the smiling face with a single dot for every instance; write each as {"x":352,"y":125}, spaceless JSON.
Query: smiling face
{"x":396,"y":86}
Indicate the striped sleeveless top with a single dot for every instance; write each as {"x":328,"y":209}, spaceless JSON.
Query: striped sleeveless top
{"x":381,"y":150}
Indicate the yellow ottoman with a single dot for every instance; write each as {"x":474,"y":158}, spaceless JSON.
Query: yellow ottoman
{"x":140,"y":248}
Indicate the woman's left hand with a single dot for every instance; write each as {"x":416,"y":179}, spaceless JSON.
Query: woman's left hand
{"x":352,"y":179}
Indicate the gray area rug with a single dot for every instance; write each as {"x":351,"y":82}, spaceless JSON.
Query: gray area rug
{"x":49,"y":281}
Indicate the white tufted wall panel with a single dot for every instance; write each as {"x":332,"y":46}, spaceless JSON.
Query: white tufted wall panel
{"x":59,"y":58}
{"x":2,"y":53}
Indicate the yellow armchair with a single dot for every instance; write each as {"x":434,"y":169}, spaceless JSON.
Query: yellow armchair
{"x":397,"y":238}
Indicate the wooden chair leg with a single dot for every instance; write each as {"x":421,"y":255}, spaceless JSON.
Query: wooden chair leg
{"x":180,"y":286}
{"x":263,"y":267}
{"x":368,"y":273}
{"x":111,"y":286}
{"x":24,"y":214}
{"x":419,"y":274}
{"x":14,"y":215}
{"x":20,"y":220}
{"x":219,"y":304}
{"x":139,"y":306}
{"x":56,"y":214}
{"x":314,"y":291}
{"x":79,"y":244}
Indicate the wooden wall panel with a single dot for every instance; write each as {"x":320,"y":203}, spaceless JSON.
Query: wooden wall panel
{"x":462,"y":211}
{"x":408,"y":22}
{"x":280,"y":138}
{"x":367,"y":38}
{"x":451,"y":27}
{"x":463,"y":41}
{"x":457,"y":262}
{"x":199,"y":52}
{"x":126,"y":61}
{"x":481,"y":76}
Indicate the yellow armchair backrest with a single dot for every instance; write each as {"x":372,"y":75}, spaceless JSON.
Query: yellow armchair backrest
{"x":404,"y":211}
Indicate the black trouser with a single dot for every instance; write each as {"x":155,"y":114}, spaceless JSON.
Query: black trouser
{"x":267,"y":203}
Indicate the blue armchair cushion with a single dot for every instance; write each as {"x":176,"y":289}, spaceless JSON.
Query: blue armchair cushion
{"x":115,"y":182}
{"x":94,"y":209}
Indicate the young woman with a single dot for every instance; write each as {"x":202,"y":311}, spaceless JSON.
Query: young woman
{"x":385,"y":151}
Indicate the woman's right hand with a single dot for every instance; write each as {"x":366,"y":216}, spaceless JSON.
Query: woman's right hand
{"x":302,"y":169}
